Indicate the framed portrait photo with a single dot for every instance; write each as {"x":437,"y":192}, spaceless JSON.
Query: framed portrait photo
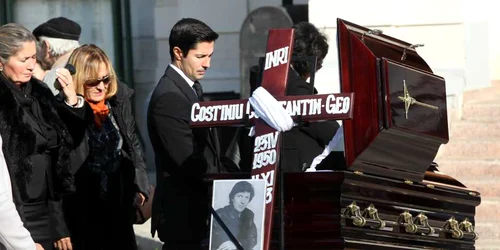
{"x":240,"y":205}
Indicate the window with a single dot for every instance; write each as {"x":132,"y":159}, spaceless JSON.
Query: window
{"x":95,"y":18}
{"x":101,"y":21}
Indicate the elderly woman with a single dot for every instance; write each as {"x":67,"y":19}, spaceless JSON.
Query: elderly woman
{"x":36,"y":141}
{"x":113,"y":175}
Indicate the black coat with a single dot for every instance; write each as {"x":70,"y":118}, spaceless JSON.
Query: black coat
{"x":131,"y":150}
{"x":302,"y":144}
{"x":182,"y":155}
{"x":19,"y":145}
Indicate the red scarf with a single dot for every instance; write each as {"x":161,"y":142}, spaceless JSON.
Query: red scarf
{"x":101,"y":111}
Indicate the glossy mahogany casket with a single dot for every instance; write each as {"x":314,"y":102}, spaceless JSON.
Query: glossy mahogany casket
{"x":383,"y":191}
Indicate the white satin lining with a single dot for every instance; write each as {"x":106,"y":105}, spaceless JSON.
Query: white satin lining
{"x":337,"y":144}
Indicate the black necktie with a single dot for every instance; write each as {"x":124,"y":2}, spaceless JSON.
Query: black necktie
{"x":199,"y":90}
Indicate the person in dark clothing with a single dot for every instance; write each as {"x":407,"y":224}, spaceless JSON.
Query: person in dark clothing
{"x":182,"y":154}
{"x":238,"y":219}
{"x":303,"y":143}
{"x":38,"y":132}
{"x":113,"y":176}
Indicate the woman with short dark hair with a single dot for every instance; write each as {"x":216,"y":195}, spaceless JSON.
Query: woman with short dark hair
{"x":36,"y":139}
{"x":303,"y":143}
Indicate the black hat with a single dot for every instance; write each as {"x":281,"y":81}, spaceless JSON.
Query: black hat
{"x":59,"y":27}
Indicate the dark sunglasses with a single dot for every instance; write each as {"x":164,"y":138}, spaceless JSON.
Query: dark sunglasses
{"x":92,"y":83}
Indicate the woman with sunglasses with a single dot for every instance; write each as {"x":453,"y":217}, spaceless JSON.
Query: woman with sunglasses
{"x":112,"y":181}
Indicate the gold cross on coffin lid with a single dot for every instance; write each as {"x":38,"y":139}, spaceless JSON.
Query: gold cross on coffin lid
{"x":410,"y":100}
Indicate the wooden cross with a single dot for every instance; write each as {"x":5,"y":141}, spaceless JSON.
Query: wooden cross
{"x":267,"y":139}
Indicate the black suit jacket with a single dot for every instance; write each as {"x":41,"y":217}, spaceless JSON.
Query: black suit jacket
{"x":183,"y":155}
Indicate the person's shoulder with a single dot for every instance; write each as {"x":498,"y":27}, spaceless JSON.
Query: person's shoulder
{"x":223,"y":209}
{"x":296,"y":85}
{"x":166,"y":85}
{"x":171,"y":103}
{"x":123,"y":92}
{"x":248,"y":212}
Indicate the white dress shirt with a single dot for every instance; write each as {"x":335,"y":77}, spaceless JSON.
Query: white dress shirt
{"x":189,"y":81}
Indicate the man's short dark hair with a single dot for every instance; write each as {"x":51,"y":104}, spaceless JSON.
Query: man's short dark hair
{"x":187,"y":33}
{"x":240,"y":187}
{"x":308,"y":41}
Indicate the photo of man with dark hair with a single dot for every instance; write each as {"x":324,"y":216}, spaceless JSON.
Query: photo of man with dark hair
{"x":238,"y":218}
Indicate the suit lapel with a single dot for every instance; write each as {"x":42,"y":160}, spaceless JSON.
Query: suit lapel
{"x":182,"y":84}
{"x":191,"y":96}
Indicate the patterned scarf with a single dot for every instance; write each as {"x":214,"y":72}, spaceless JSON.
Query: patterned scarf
{"x":101,"y":112}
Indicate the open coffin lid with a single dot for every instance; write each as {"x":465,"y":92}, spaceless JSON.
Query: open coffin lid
{"x":400,"y":115}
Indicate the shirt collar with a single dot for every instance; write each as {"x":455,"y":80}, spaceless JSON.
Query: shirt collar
{"x":189,"y":81}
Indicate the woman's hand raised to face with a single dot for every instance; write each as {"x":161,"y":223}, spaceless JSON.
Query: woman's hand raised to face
{"x":67,"y":85}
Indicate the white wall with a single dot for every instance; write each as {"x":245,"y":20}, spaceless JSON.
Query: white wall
{"x":226,"y":18}
{"x":98,"y":29}
{"x":458,"y":36}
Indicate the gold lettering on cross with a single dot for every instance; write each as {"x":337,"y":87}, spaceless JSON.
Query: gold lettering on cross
{"x":408,"y":100}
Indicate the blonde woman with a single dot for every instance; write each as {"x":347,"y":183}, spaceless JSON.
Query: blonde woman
{"x":113,"y":175}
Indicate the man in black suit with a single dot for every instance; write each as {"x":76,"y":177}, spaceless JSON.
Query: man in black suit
{"x":303,"y":143}
{"x":183,"y":155}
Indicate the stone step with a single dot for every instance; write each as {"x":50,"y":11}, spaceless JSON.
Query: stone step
{"x":488,"y":211}
{"x":483,"y":94}
{"x":484,"y":244}
{"x":462,"y":149}
{"x":489,"y":189}
{"x":465,"y":170}
{"x":487,"y":232}
{"x":474,"y":129}
{"x":481,"y":111}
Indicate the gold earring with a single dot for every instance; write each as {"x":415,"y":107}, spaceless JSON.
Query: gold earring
{"x":1,"y":68}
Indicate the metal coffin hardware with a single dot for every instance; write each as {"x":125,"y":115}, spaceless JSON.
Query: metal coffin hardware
{"x":354,"y":212}
{"x":422,"y":221}
{"x":463,"y":230}
{"x":368,"y":218}
{"x":406,"y":220}
{"x":467,"y":227}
